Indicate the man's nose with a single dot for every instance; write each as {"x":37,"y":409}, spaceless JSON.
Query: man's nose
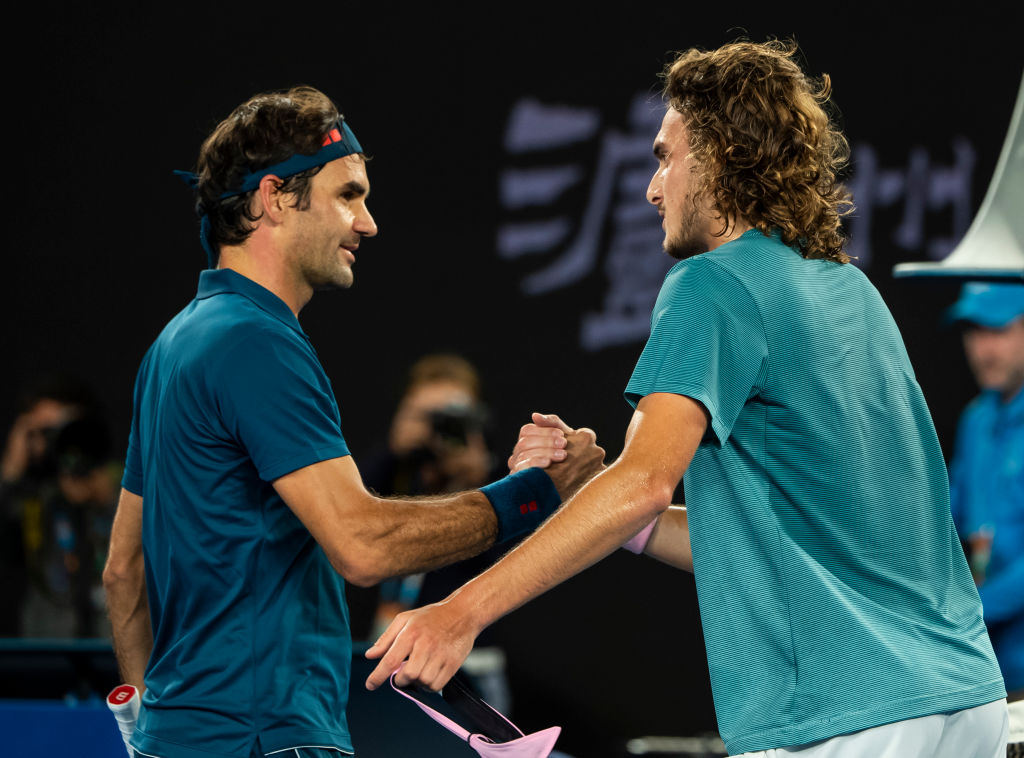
{"x":654,"y":190}
{"x":365,"y":224}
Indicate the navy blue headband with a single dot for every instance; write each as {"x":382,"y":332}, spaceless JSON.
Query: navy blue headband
{"x":339,"y":142}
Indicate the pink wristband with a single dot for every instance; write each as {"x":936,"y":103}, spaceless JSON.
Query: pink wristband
{"x":639,"y":542}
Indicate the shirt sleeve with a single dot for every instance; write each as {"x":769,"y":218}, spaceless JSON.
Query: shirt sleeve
{"x":277,"y":402}
{"x":707,"y":342}
{"x":132,"y":479}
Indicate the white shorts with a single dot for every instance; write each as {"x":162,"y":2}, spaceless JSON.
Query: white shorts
{"x":979,"y":732}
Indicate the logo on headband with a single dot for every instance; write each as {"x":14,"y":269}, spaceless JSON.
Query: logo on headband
{"x":332,"y":136}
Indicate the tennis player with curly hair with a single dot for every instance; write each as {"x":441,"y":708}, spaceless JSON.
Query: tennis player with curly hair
{"x":838,"y":610}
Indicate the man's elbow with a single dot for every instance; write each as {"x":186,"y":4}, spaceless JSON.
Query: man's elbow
{"x":362,"y":579}
{"x":646,"y":488}
{"x":361,"y":576}
{"x":359,"y":565}
{"x":119,"y":574}
{"x":654,"y":497}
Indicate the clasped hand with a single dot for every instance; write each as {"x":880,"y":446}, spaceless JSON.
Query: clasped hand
{"x":549,"y":440}
{"x":435,"y":640}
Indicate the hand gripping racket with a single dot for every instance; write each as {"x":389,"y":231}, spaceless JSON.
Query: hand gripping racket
{"x":123,"y":701}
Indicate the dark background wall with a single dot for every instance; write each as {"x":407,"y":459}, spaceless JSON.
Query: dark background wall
{"x":103,"y":103}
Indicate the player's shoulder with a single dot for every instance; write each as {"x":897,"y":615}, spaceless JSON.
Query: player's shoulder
{"x":229,"y":330}
{"x":708,"y":275}
{"x":236,"y":317}
{"x":703,"y":266}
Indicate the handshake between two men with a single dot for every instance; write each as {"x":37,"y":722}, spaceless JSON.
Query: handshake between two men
{"x":429,"y":644}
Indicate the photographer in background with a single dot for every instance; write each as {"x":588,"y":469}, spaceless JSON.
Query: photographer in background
{"x":64,"y":598}
{"x":29,"y":482}
{"x":437,"y":443}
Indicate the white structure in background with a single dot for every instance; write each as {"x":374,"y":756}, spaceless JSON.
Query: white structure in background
{"x":993,"y":247}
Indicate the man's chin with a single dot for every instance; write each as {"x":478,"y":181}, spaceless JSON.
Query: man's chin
{"x":992,"y":380}
{"x":338,"y":282}
{"x":682,"y":250}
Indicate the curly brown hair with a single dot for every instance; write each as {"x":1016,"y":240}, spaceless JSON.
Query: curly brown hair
{"x":267,"y":128}
{"x":769,"y":151}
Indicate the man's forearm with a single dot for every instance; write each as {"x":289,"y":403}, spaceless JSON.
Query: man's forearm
{"x":407,"y":540}
{"x":128,"y":607}
{"x":607,"y":511}
{"x":463,"y":525}
{"x":592,"y":524}
{"x":612,"y":506}
{"x":124,"y":580}
{"x":670,"y":540}
{"x":369,"y":538}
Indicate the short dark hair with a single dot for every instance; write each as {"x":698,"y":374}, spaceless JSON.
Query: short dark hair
{"x":266,"y":129}
{"x":768,"y":149}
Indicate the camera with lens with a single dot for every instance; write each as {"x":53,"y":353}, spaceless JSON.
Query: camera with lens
{"x":453,"y":424}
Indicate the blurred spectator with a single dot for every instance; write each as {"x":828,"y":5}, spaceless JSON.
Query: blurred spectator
{"x":437,"y":443}
{"x":987,"y":468}
{"x":437,"y":439}
{"x":30,"y":483}
{"x":70,"y":534}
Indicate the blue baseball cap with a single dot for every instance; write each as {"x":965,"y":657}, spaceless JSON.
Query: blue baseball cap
{"x":989,"y":305}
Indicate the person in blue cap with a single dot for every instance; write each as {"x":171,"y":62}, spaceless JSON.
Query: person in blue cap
{"x":987,"y":466}
{"x":242,"y":513}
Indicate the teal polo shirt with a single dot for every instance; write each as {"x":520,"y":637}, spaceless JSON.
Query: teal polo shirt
{"x":251,"y":642}
{"x":833,"y":591}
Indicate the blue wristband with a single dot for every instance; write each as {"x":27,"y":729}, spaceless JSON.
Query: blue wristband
{"x":522,"y":501}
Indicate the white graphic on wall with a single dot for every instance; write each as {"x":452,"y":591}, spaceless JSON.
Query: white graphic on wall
{"x":573,"y":196}
{"x":614,"y":227}
{"x":934,"y":201}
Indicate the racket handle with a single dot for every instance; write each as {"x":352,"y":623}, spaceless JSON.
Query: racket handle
{"x":123,"y":701}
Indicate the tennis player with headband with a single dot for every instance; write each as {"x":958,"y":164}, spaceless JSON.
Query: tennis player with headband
{"x":242,"y":512}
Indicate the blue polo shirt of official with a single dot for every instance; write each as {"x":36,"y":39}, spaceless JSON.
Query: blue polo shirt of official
{"x":251,"y":644}
{"x":987,"y":494}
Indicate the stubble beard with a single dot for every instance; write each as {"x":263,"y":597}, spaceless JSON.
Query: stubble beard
{"x":323,"y":270}
{"x":687,"y":239}
{"x":336,"y":278}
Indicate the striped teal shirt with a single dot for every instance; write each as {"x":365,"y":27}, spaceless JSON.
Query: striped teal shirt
{"x":834,"y":594}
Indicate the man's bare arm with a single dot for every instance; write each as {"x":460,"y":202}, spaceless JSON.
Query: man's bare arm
{"x":670,"y":540}
{"x":434,"y":641}
{"x":543,"y":443}
{"x":369,"y":538}
{"x":125,"y":583}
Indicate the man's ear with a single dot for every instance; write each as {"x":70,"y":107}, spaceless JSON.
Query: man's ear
{"x":272,"y":202}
